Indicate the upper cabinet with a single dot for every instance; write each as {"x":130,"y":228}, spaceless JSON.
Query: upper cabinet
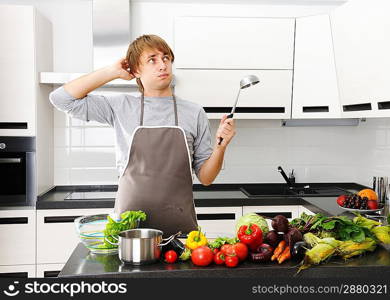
{"x":26,"y":50}
{"x":212,"y":55}
{"x":234,"y":43}
{"x":361,"y":31}
{"x":315,"y":93}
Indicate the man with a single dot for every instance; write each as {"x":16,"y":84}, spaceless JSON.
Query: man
{"x":160,"y":139}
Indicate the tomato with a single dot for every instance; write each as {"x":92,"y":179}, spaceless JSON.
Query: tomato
{"x":202,"y":256}
{"x":170,"y":256}
{"x":216,"y":250}
{"x":239,"y":249}
{"x":231,"y":261}
{"x":227,"y":249}
{"x":219,"y":258}
{"x":341,"y":200}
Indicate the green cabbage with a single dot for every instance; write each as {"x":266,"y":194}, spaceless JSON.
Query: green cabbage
{"x":252,"y":218}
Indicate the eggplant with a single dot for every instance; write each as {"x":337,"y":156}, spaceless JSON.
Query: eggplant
{"x":298,"y":250}
{"x":175,"y":245}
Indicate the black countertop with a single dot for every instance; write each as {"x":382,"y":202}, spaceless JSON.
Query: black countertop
{"x":210,"y":196}
{"x":82,"y":263}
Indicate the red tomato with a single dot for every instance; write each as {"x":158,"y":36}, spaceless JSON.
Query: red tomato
{"x":216,"y":250}
{"x":231,"y":261}
{"x":170,"y":256}
{"x":227,"y":249}
{"x":241,"y":250}
{"x":219,"y":258}
{"x":202,"y":256}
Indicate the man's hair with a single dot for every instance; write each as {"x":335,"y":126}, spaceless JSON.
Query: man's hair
{"x":145,"y":42}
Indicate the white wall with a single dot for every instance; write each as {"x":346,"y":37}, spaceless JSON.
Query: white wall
{"x":85,"y":153}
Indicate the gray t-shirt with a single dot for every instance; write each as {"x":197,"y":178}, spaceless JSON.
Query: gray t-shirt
{"x":122,"y":112}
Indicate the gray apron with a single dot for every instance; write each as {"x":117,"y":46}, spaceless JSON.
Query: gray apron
{"x":158,"y":178}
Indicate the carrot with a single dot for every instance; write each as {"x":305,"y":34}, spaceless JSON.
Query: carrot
{"x":278,"y":250}
{"x":285,"y":255}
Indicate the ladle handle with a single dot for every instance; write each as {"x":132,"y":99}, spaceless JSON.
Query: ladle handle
{"x":228,"y":117}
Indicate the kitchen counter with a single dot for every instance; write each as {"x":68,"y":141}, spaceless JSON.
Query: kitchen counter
{"x":210,"y":196}
{"x":83,"y":264}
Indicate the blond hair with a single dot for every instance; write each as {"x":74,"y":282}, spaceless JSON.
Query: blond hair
{"x":137,"y":47}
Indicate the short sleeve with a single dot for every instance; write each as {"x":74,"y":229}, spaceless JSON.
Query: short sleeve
{"x":202,"y":142}
{"x":90,"y":108}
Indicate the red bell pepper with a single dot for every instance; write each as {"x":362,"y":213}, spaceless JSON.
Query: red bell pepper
{"x":251,"y":235}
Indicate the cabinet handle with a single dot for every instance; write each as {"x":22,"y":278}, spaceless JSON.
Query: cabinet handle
{"x":13,"y":125}
{"x":226,"y":216}
{"x":10,"y":160}
{"x":51,"y":273}
{"x":14,"y":275}
{"x":277,"y":110}
{"x":357,"y":107}
{"x":60,"y":219}
{"x":288,"y":215}
{"x":17,"y":220}
{"x":384,"y":105}
{"x":311,"y":109}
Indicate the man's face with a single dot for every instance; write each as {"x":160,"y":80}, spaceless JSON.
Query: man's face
{"x":155,"y":70}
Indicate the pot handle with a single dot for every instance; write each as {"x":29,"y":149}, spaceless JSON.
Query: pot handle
{"x":169,"y":239}
{"x":115,"y":238}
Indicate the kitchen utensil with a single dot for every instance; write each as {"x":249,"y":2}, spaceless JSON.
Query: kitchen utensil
{"x":141,"y":246}
{"x":91,"y":232}
{"x":381,"y":186}
{"x":245,"y":82}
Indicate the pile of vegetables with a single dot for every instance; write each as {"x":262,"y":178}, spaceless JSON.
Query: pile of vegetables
{"x":326,"y":237}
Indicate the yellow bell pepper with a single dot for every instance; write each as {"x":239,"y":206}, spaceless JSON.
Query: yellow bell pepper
{"x":196,"y":239}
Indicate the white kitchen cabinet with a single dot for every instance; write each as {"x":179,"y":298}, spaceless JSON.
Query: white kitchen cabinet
{"x":302,"y":209}
{"x":361,"y":31}
{"x":216,"y":91}
{"x":17,"y":236}
{"x":315,"y":93}
{"x":18,"y":271}
{"x":289,"y":211}
{"x":48,"y":270}
{"x":26,"y":50}
{"x":233,"y":43}
{"x":56,"y":233}
{"x":218,"y":221}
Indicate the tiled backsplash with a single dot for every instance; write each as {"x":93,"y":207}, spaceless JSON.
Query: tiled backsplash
{"x":85,"y":152}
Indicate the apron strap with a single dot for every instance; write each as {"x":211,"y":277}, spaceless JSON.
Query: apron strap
{"x":174,"y":108}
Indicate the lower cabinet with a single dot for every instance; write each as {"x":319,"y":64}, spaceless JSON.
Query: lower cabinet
{"x":17,"y":236}
{"x":18,"y":271}
{"x":218,"y":221}
{"x":56,"y":233}
{"x":289,"y":211}
{"x":48,"y":270}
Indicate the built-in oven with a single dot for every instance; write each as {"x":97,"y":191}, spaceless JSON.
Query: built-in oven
{"x":17,"y":171}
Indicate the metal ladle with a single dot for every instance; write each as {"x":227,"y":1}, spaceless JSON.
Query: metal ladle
{"x":245,"y":82}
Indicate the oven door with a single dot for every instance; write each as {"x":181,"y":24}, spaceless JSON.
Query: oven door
{"x":13,"y":179}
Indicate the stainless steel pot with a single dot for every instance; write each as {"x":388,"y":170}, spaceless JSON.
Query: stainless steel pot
{"x":141,"y":246}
